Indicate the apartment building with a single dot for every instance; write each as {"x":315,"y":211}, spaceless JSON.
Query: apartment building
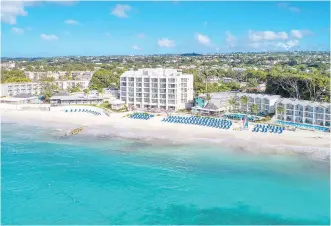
{"x":36,"y":76}
{"x":302,"y":111}
{"x":82,"y":75}
{"x":35,"y":88}
{"x":265,"y":103}
{"x":157,"y":88}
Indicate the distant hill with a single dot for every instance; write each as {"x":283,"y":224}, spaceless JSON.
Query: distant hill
{"x":191,"y":54}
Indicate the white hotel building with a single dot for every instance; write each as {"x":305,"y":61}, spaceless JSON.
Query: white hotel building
{"x":302,"y":111}
{"x":265,"y":103}
{"x":167,"y":89}
{"x":33,"y":88}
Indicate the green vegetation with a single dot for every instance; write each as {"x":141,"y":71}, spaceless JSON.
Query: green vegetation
{"x":13,"y":76}
{"x":48,"y":89}
{"x":254,"y":109}
{"x":73,"y":89}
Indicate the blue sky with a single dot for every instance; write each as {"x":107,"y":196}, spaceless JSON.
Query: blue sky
{"x":31,"y":29}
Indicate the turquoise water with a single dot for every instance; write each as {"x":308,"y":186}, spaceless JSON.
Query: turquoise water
{"x":97,"y":180}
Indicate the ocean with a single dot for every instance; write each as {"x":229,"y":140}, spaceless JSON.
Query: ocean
{"x":85,"y":179}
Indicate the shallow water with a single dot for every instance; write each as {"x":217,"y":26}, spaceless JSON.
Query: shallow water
{"x":106,"y":180}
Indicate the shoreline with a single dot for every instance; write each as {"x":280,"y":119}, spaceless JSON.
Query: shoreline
{"x":312,"y":144}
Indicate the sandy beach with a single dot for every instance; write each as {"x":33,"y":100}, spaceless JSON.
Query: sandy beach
{"x":315,"y":144}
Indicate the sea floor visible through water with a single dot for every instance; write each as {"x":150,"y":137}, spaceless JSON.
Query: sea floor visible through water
{"x":85,"y":179}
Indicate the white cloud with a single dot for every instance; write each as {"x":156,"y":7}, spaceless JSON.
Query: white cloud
{"x":121,"y":10}
{"x":71,"y":22}
{"x":11,"y":9}
{"x":17,"y":30}
{"x":256,"y":36}
{"x":287,"y":6}
{"x":230,"y":39}
{"x":203,"y":39}
{"x":164,"y":42}
{"x":141,"y":35}
{"x":136,"y":47}
{"x":300,"y":33}
{"x":49,"y":37}
{"x":288,"y":45}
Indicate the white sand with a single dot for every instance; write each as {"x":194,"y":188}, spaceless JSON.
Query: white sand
{"x":316,"y":144}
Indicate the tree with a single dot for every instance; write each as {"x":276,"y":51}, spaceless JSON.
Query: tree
{"x":280,"y":110}
{"x":254,"y":109}
{"x":86,"y":91}
{"x":16,"y":80}
{"x":208,"y":97}
{"x":48,"y":89}
{"x":232,"y":103}
{"x":244,"y":101}
{"x":100,"y":91}
{"x":74,"y":89}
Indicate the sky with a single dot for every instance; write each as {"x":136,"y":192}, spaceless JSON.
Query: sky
{"x":46,"y":29}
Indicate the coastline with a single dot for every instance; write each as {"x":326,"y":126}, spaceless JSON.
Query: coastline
{"x":313,"y":144}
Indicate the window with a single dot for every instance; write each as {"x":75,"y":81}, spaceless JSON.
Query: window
{"x":172,"y":86}
{"x":154,"y":96}
{"x":171,"y":80}
{"x":163,"y":80}
{"x":146,"y":80}
{"x":146,"y":99}
{"x":146,"y":90}
{"x":123,"y":79}
{"x":170,"y":96}
{"x":171,"y":101}
{"x":154,"y":80}
{"x":138,"y":84}
{"x":131,"y":99}
{"x":138,"y":79}
{"x":154,"y":90}
{"x":138,"y":99}
{"x":154,"y":101}
{"x":162,"y":90}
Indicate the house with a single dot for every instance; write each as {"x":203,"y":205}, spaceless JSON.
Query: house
{"x":227,"y":80}
{"x":219,"y":102}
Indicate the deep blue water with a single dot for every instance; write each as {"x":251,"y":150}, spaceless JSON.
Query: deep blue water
{"x":82,"y":180}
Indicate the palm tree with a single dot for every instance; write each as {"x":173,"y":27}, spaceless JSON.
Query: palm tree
{"x":232,"y":103}
{"x":86,"y":91}
{"x":254,"y":109}
{"x":244,"y":101}
{"x":100,"y":91}
{"x":208,"y":97}
{"x":280,"y":111}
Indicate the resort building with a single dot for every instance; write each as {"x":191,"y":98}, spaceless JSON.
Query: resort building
{"x":157,"y":88}
{"x":302,"y":111}
{"x":243,"y":102}
{"x":20,"y":99}
{"x":218,"y":103}
{"x":63,"y":98}
{"x":35,"y":88}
